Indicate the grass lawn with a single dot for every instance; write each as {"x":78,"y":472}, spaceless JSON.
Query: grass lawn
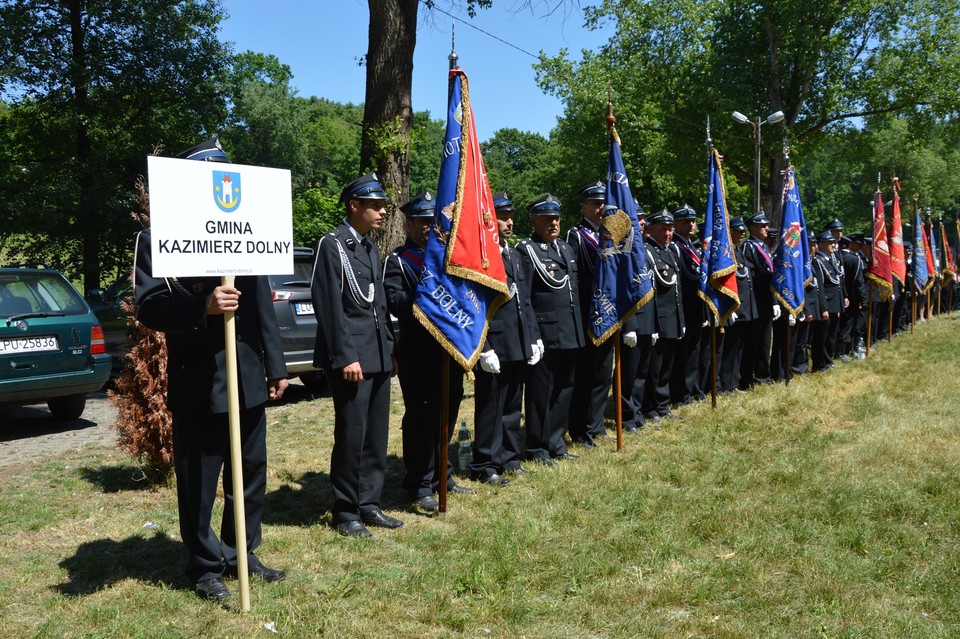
{"x":824,"y":509}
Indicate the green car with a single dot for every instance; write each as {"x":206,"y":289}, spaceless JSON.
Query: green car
{"x":52,"y":346}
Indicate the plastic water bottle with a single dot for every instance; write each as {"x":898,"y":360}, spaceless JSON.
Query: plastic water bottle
{"x":464,"y":449}
{"x":861,"y":351}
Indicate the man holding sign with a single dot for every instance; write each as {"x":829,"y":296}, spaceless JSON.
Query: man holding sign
{"x":190,"y":311}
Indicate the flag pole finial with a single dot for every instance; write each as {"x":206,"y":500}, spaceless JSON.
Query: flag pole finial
{"x":786,"y":152}
{"x":453,"y":57}
{"x":709,"y":139}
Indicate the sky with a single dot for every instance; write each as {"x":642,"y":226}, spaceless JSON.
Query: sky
{"x":322,"y":41}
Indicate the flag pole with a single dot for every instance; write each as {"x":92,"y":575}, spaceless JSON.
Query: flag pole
{"x":443,"y":452}
{"x":713,"y":329}
{"x":869,"y":316}
{"x":236,"y":454}
{"x":617,"y":389}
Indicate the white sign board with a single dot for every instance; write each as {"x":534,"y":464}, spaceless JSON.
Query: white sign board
{"x":214,"y":218}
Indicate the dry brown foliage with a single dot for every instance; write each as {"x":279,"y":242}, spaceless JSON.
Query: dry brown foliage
{"x":144,"y":424}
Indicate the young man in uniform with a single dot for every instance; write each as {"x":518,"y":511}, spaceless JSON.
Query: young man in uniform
{"x":355,"y":348}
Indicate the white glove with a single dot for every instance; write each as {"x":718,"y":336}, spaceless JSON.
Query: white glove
{"x":776,"y":311}
{"x":489,"y":362}
{"x":630,"y":338}
{"x":683,"y":331}
{"x":653,"y":338}
{"x":734,"y":317}
{"x":792,"y":320}
{"x":537,"y":353}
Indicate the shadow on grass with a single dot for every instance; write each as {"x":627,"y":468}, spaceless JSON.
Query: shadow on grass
{"x":120,"y":478}
{"x":306,"y":500}
{"x":104,"y":562}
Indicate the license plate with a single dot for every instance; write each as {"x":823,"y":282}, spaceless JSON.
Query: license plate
{"x":12,"y":345}
{"x":303,"y":308}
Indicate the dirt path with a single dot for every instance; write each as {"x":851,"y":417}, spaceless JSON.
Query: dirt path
{"x":30,"y":432}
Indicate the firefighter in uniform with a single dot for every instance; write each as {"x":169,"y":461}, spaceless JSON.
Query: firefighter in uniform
{"x":550,"y":265}
{"x":513,"y":344}
{"x":418,"y":355}
{"x":666,"y":281}
{"x":594,"y":370}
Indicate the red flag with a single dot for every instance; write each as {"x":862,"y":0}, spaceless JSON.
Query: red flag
{"x":475,"y":252}
{"x":949,"y":270}
{"x":879,"y":270}
{"x":898,"y":261}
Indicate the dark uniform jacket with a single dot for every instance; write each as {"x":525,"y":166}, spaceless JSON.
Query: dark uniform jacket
{"x":690,"y":255}
{"x":401,"y":274}
{"x":853,"y":275}
{"x":349,"y":327}
{"x":666,"y":281}
{"x":554,"y":291}
{"x":581,"y":238}
{"x":644,"y":321}
{"x":830,"y":280}
{"x":814,"y":301}
{"x":760,"y":262}
{"x":513,"y":328}
{"x":196,"y":362}
{"x":748,"y":301}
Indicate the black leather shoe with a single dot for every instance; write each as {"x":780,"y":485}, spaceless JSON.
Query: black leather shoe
{"x":269,"y":575}
{"x":461,"y":490}
{"x":352,"y":528}
{"x":585,"y":443}
{"x":567,"y":457}
{"x":540,"y":460}
{"x":495,"y":480}
{"x":427,"y":505}
{"x":631,"y":430}
{"x":212,"y":588}
{"x":514,"y":471}
{"x":378,"y":519}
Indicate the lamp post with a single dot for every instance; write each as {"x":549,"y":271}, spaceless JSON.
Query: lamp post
{"x":773,"y":118}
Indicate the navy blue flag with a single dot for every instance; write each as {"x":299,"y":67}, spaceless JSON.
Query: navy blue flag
{"x":622,"y":284}
{"x":791,"y":262}
{"x":718,"y":269}
{"x":919,"y":269}
{"x":463,"y":282}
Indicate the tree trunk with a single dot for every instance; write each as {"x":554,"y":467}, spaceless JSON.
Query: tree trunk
{"x":86,"y":214}
{"x":388,"y":111}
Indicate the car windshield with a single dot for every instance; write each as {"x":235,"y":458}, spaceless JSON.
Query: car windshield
{"x":38,"y":292}
{"x":303,"y":269}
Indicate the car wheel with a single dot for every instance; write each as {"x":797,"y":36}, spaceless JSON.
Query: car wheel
{"x":68,"y":407}
{"x":316,"y":382}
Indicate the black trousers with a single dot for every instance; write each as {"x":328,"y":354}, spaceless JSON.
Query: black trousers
{"x":591,"y":388}
{"x":548,"y":397}
{"x":755,"y":364}
{"x":685,"y":374}
{"x":823,"y":342}
{"x":201,"y":448}
{"x":420,"y":428}
{"x":358,"y":462}
{"x":801,"y":347}
{"x":497,"y":404}
{"x":656,"y":399}
{"x":731,"y":356}
{"x":634,"y":371}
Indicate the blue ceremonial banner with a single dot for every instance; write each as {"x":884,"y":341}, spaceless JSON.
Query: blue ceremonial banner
{"x":934,"y":251}
{"x":463,"y":281}
{"x":919,"y":269}
{"x":622,"y":284}
{"x":791,"y":262}
{"x":718,"y":269}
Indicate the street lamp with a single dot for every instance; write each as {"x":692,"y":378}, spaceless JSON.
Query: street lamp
{"x":773,"y":118}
